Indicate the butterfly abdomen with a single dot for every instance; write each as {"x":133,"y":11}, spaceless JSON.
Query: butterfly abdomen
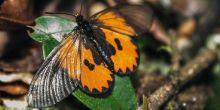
{"x":102,"y":52}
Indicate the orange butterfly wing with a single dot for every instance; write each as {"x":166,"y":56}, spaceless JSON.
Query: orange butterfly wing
{"x":131,"y":20}
{"x":118,"y":24}
{"x":126,"y":56}
{"x":95,"y":76}
{"x":115,"y":22}
{"x":85,"y":64}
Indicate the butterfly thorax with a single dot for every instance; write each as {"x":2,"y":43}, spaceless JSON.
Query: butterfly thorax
{"x":83,"y":24}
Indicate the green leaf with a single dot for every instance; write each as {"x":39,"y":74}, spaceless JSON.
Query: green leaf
{"x":48,"y":47}
{"x":213,"y":40}
{"x":165,"y":48}
{"x":122,"y":97}
{"x":49,"y":28}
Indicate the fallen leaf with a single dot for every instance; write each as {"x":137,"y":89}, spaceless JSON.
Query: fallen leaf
{"x":16,"y":12}
{"x":12,"y":77}
{"x":14,"y":89}
{"x":187,"y":27}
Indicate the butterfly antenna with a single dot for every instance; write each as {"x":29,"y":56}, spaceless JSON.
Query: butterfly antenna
{"x":61,"y":13}
{"x":81,"y":5}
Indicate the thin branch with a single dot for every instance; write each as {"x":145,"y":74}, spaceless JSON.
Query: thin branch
{"x":176,"y":57}
{"x":145,"y":106}
{"x":187,"y":73}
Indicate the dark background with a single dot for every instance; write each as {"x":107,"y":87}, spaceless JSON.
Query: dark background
{"x":192,"y":23}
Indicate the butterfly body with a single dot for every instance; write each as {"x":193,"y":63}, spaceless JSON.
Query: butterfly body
{"x":90,"y":55}
{"x":84,"y":27}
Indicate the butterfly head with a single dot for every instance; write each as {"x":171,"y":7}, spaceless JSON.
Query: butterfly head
{"x":79,"y":18}
{"x":82,"y":23}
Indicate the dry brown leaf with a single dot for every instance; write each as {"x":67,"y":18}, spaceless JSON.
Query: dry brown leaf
{"x":12,"y":77}
{"x":187,"y":27}
{"x":189,"y":8}
{"x":159,"y":32}
{"x":16,"y":11}
{"x":14,"y":89}
{"x":15,"y":104}
{"x":28,"y":63}
{"x":4,"y":40}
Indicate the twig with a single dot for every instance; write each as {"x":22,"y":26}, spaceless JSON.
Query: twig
{"x":145,"y":106}
{"x":187,"y":73}
{"x":175,"y":53}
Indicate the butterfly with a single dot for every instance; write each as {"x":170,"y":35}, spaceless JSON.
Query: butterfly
{"x":90,"y":55}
